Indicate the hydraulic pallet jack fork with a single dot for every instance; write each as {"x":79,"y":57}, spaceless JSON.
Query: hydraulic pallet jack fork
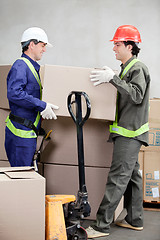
{"x":80,"y":208}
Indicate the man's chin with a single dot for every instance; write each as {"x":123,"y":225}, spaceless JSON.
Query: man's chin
{"x":38,"y":59}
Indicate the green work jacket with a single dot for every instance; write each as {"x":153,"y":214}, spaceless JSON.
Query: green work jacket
{"x":133,"y":98}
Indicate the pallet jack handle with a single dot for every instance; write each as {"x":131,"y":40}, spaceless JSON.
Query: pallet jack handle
{"x":79,"y":121}
{"x":78,"y":118}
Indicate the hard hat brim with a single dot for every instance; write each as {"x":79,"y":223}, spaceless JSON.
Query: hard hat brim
{"x":49,"y":45}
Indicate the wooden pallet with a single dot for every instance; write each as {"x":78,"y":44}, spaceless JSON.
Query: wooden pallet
{"x":151,"y":206}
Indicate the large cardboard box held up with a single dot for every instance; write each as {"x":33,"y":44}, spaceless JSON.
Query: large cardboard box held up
{"x":22,"y":204}
{"x":152,"y":176}
{"x":59,"y":81}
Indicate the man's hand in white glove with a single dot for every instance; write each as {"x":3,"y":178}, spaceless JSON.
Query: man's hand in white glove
{"x":101,"y":76}
{"x":48,"y":112}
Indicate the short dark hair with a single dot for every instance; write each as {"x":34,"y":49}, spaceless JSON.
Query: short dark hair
{"x":26,"y":44}
{"x":135,"y":48}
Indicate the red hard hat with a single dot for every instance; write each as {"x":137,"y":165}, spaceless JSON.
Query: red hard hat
{"x":127,"y":33}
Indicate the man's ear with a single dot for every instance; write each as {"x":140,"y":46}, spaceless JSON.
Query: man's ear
{"x":31,"y":45}
{"x":129,"y":47}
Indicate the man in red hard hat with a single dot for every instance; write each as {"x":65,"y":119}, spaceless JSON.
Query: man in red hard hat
{"x":128,"y":133}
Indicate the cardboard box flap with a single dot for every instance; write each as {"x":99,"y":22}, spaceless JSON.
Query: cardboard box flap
{"x":22,"y":174}
{"x":12,"y":169}
{"x":19,"y":172}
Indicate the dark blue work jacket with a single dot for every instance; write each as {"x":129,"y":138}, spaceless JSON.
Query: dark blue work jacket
{"x":23,"y":91}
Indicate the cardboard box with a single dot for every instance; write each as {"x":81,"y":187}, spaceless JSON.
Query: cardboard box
{"x":141,"y":162}
{"x":59,"y":81}
{"x":152,"y":176}
{"x":154,"y":111}
{"x":22,"y":204}
{"x":62,"y":149}
{"x":119,"y":209}
{"x":154,"y":138}
{"x":63,"y":179}
{"x":141,"y":168}
{"x":154,"y":125}
{"x":4,"y":69}
{"x":41,"y":73}
{"x":4,"y":163}
{"x":40,"y":168}
{"x":3,"y":115}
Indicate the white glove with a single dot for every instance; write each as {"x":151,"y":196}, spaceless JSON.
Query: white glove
{"x":48,"y":112}
{"x":101,"y":76}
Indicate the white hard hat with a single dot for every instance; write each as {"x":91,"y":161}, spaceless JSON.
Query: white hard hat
{"x":35,"y":33}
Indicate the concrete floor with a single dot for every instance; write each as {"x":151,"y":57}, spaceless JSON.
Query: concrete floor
{"x":151,"y":228}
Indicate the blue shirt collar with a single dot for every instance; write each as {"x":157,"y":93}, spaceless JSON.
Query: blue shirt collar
{"x":35,"y":64}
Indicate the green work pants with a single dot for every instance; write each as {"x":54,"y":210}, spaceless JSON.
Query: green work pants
{"x":124,"y":179}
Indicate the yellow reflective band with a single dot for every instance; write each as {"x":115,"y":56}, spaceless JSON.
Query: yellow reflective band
{"x":22,"y":133}
{"x":37,"y":119}
{"x":128,"y":133}
{"x":31,"y":67}
{"x":128,"y":67}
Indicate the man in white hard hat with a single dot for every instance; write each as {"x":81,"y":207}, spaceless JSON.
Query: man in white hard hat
{"x":24,"y":92}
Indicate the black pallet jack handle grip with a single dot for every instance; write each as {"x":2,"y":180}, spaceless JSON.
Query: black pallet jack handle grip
{"x":78,"y":118}
{"x":79,"y":121}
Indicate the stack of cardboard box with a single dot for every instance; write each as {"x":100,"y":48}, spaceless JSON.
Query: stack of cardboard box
{"x":22,"y":202}
{"x":59,"y":159}
{"x":151,"y":156}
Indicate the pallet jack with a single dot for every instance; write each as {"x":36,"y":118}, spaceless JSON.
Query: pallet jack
{"x":66,"y":208}
{"x":80,"y":208}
